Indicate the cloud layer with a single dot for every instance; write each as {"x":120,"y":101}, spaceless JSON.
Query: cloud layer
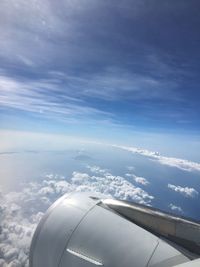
{"x":181,"y":164}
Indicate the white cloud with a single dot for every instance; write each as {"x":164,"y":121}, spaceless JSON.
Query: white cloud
{"x":186,"y":191}
{"x":175,"y":208}
{"x":141,"y":180}
{"x":21,"y":211}
{"x":116,"y":186}
{"x":28,"y":41}
{"x":31,"y":28}
{"x":181,"y":164}
{"x":138,"y":179}
{"x":116,"y":83}
{"x":45,"y":97}
{"x":2,"y":262}
{"x":97,"y":170}
{"x":79,"y":177}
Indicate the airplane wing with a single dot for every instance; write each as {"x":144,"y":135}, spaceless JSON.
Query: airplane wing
{"x":87,"y":230}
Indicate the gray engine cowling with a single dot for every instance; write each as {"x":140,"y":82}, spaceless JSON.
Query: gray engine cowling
{"x":79,"y":230}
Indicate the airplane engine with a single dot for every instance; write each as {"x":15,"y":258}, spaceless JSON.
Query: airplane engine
{"x":85,"y":230}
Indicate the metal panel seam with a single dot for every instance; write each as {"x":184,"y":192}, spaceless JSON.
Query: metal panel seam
{"x":75,"y":230}
{"x":152,"y":253}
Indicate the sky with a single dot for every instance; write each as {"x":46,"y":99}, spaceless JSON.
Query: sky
{"x":120,"y":71}
{"x":76,"y":74}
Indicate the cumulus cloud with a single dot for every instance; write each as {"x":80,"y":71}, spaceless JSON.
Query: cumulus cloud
{"x":138,"y":179}
{"x":181,"y":164}
{"x":186,"y":191}
{"x":21,"y":211}
{"x":141,"y":180}
{"x":175,"y":208}
{"x":104,"y":182}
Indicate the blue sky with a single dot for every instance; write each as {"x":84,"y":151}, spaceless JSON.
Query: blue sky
{"x":102,"y":69}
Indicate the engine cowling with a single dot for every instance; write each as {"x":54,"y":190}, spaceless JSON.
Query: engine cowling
{"x":79,"y":230}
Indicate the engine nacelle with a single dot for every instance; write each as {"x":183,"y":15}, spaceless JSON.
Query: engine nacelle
{"x":80,"y":230}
